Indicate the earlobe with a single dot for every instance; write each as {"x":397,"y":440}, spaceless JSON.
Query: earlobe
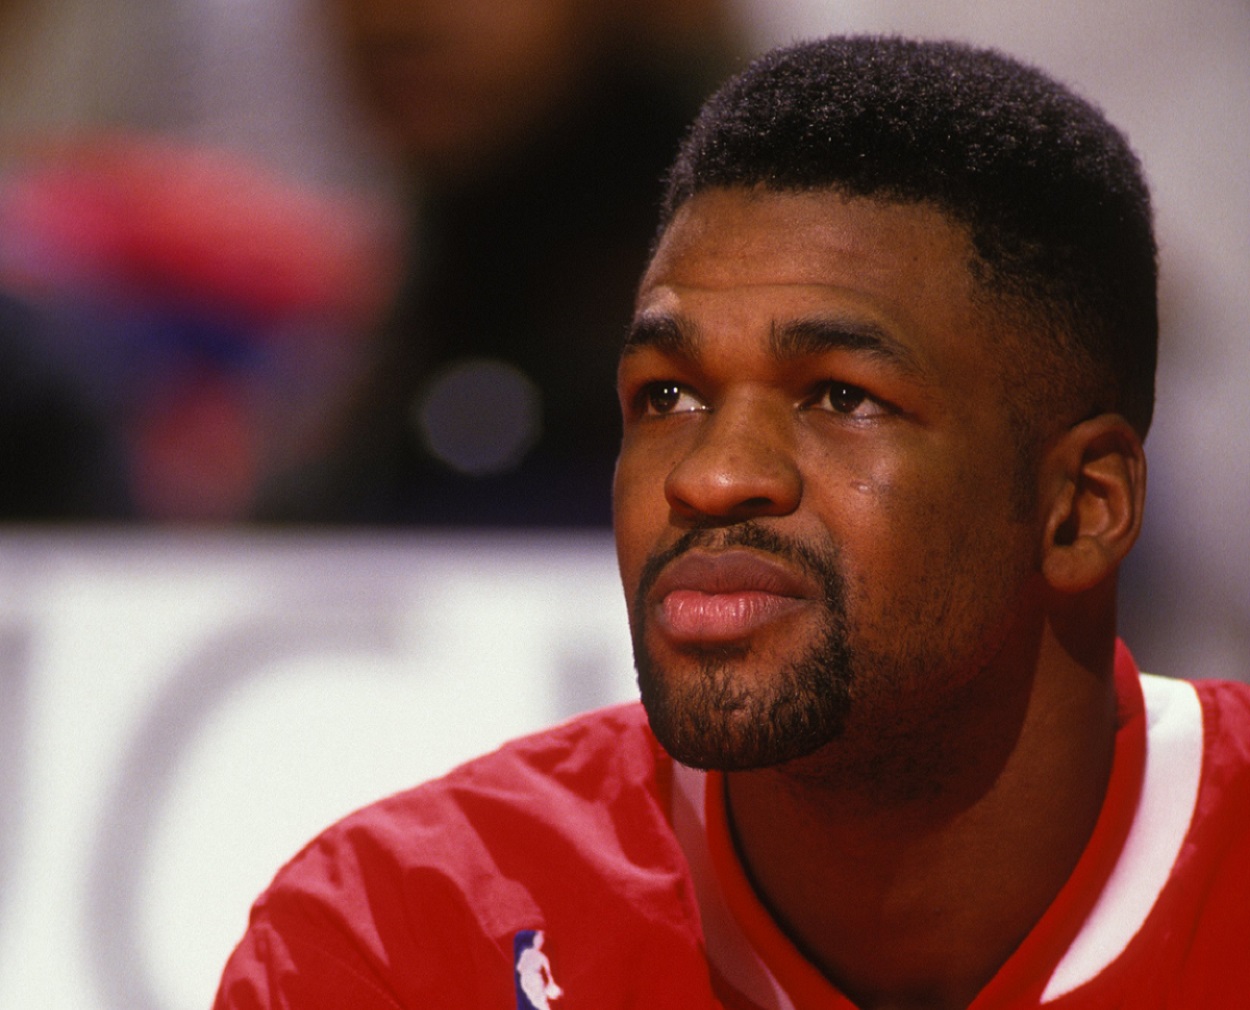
{"x":1097,"y":476}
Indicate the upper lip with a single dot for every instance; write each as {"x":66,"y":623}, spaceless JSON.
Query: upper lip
{"x":735,"y":570}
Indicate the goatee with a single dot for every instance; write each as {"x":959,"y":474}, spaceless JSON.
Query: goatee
{"x":714,"y":717}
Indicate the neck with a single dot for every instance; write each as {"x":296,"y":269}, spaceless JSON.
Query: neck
{"x":933,"y":853}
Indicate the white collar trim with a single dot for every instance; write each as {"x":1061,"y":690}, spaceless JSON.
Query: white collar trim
{"x":1174,"y":749}
{"x":727,"y":947}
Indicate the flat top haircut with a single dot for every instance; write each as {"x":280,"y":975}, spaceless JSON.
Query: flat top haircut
{"x":1052,"y":197}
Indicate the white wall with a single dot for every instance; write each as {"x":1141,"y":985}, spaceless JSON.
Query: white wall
{"x":179,"y":714}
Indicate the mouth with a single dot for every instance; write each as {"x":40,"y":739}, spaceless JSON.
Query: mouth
{"x":704,"y":598}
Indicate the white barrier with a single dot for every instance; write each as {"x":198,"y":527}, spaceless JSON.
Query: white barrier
{"x":180,"y":712}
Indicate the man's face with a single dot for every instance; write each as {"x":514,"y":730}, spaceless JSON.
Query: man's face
{"x":814,"y":502}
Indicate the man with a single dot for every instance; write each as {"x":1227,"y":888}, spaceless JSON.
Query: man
{"x":884,"y":399}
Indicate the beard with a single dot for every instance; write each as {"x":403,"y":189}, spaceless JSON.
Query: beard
{"x":718,"y":718}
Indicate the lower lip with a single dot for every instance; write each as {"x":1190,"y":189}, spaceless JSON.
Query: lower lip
{"x":693,"y":617}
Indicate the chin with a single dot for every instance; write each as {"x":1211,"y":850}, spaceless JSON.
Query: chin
{"x":717,"y":715}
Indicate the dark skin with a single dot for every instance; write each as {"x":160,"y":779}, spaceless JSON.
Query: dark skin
{"x":908,"y":853}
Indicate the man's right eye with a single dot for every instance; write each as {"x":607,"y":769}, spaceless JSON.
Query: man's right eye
{"x":661,"y":398}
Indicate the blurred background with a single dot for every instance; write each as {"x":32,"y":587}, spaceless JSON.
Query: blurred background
{"x":308,"y":322}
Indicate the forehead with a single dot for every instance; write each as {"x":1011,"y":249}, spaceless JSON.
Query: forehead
{"x":736,"y":259}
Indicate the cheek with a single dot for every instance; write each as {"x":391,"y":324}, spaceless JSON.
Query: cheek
{"x":900,"y":520}
{"x":873,"y":499}
{"x":912,"y":481}
{"x":940,"y":577}
{"x":639,"y":514}
{"x":642,"y":470}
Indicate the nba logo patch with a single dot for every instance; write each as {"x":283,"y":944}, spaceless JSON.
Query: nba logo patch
{"x":535,"y":986}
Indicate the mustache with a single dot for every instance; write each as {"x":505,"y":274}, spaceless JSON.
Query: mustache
{"x":823,"y":565}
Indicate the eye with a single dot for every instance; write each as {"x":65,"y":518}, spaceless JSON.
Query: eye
{"x":844,"y":398}
{"x":658,"y":399}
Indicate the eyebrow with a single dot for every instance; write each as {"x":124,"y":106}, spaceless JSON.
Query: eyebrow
{"x":795,"y":338}
{"x":664,"y":332}
{"x":810,"y":335}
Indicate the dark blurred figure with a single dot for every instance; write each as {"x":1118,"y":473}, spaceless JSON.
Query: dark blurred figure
{"x":534,"y":134}
{"x":59,"y":459}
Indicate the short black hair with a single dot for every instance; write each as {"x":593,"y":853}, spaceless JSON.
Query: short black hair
{"x":1053,"y":198}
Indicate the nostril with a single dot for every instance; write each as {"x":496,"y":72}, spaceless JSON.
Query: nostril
{"x":735,"y":495}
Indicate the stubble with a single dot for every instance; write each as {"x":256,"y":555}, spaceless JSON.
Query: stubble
{"x":712,"y":716}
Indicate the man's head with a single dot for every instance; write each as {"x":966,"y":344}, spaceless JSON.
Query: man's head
{"x":1050,"y":192}
{"x":872,"y":397}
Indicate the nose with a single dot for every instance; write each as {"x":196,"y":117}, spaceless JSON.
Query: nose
{"x":741,"y":465}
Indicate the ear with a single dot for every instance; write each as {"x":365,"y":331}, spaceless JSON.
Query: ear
{"x":1096,"y":473}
